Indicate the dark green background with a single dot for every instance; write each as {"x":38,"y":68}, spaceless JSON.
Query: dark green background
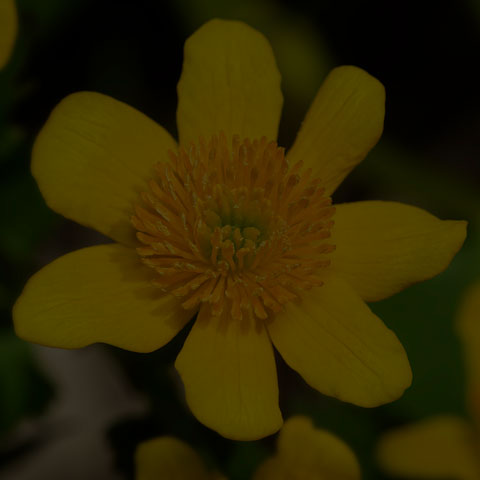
{"x":427,"y":58}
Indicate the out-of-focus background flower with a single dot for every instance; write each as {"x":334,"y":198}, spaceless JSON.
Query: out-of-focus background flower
{"x":80,"y":414}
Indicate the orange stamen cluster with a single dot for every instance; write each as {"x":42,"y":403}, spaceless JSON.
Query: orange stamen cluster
{"x":236,"y":227}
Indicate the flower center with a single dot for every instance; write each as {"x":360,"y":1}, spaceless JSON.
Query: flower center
{"x":234,"y":226}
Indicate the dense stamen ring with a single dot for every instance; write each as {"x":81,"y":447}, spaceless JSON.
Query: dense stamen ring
{"x":237,"y":228}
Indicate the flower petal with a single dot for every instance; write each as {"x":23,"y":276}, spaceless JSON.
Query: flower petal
{"x":168,"y":458}
{"x":92,"y":158}
{"x":8,"y":29}
{"x":229,"y":83}
{"x":468,"y":325}
{"x":333,"y":340}
{"x":97,"y":294}
{"x":383,"y":247}
{"x":343,"y":124}
{"x":307,"y":452}
{"x":230,"y":378}
{"x":440,"y":447}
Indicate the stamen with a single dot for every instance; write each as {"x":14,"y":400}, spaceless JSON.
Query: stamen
{"x":237,"y":228}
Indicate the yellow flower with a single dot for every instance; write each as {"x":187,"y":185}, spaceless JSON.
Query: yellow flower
{"x":444,"y":446}
{"x":303,"y":453}
{"x":228,"y":226}
{"x":8,"y":29}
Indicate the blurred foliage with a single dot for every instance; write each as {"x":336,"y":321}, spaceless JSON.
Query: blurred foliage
{"x":22,"y":389}
{"x":26,"y":223}
{"x":429,"y":157}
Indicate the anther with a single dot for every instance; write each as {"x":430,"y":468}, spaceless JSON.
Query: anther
{"x":234,"y":226}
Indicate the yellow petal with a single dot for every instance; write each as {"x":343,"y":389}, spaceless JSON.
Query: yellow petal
{"x":305,"y":452}
{"x":383,"y":247}
{"x":333,"y":340}
{"x":230,"y":378}
{"x":468,"y":325}
{"x":229,"y":82}
{"x":8,"y":29}
{"x":91,"y":160}
{"x":440,"y":447}
{"x":343,"y":123}
{"x":168,"y":458}
{"x":97,"y":294}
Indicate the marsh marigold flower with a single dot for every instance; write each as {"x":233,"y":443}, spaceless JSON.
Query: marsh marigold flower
{"x":226,"y":225}
{"x":303,"y":453}
{"x":445,"y":446}
{"x":8,"y":29}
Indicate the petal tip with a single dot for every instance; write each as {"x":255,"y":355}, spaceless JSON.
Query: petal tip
{"x":390,"y":393}
{"x":232,"y":431}
{"x":359,"y":76}
{"x":455,"y":233}
{"x":18,"y":324}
